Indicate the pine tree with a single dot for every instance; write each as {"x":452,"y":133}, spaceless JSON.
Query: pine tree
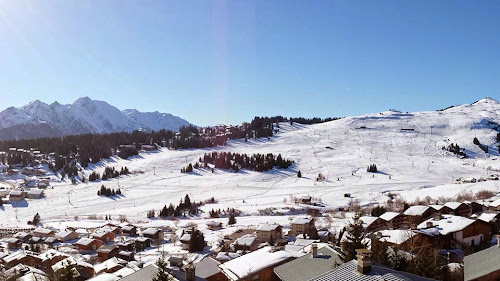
{"x":1,"y":202}
{"x":354,"y":234}
{"x":299,"y":174}
{"x":163,"y":273}
{"x":232,"y":218}
{"x":36,"y":219}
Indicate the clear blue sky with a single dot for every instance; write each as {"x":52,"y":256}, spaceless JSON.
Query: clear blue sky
{"x":227,"y":61}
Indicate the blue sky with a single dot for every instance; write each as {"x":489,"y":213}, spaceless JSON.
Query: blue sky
{"x":227,"y":61}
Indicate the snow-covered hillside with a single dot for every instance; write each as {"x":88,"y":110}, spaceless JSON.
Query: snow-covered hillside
{"x":38,"y":119}
{"x":411,"y":163}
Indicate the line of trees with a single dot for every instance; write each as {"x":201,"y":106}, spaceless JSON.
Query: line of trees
{"x":236,"y":161}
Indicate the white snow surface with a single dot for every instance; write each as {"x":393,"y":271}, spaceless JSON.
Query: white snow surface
{"x":410,"y":164}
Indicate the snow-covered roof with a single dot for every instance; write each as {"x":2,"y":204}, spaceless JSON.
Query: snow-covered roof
{"x":43,"y":230}
{"x":108,"y":265}
{"x":487,"y":217}
{"x":396,"y":236}
{"x":253,"y":262}
{"x":64,"y":233}
{"x":35,"y":191}
{"x":70,"y":261}
{"x":453,"y":205}
{"x":368,"y":220}
{"x":151,"y":231}
{"x":417,"y":210}
{"x":105,"y":277}
{"x":245,"y":240}
{"x":267,"y":227}
{"x":226,"y":256}
{"x":85,"y":241}
{"x":301,"y":221}
{"x":436,"y":207}
{"x":447,"y":224}
{"x":16,"y":192}
{"x":495,"y":203}
{"x":387,"y":216}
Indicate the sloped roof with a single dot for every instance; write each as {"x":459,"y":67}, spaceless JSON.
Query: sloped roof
{"x":417,"y":210}
{"x":256,"y":261}
{"x":348,"y":271}
{"x":308,"y":266}
{"x":387,"y":216}
{"x":487,"y":217}
{"x":267,"y":227}
{"x":207,"y":267}
{"x":301,"y":221}
{"x":447,"y":224}
{"x":481,"y":263}
{"x":146,"y":273}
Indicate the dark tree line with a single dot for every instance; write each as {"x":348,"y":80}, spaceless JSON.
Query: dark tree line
{"x":482,"y":146}
{"x":185,"y":207}
{"x":455,"y":149}
{"x":236,"y":161}
{"x":106,"y":191}
{"x":372,"y":168}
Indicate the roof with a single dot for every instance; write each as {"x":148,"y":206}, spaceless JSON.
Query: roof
{"x":16,"y":192}
{"x":308,"y":266}
{"x":368,"y":220}
{"x":481,"y":263}
{"x":43,"y":230}
{"x":70,"y":260}
{"x":85,"y":241}
{"x":246,"y":240}
{"x":108,"y":265}
{"x":146,"y":273}
{"x":35,"y":191}
{"x":256,"y":261}
{"x":417,"y":210}
{"x":151,"y":231}
{"x":396,"y":236}
{"x":64,"y":233}
{"x":267,"y":227}
{"x":207,"y":267}
{"x":104,"y":277}
{"x":487,"y":217}
{"x":348,"y":271}
{"x":447,"y":224}
{"x":453,"y":205}
{"x":226,"y":256}
{"x":301,"y":221}
{"x":387,"y":216}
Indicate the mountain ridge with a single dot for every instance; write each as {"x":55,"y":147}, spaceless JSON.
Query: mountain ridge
{"x":84,"y":115}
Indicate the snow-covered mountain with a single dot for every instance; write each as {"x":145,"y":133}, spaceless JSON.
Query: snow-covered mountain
{"x":38,"y":119}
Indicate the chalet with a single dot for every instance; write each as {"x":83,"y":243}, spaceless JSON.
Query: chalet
{"x":109,"y":266}
{"x":246,"y":243}
{"x":300,"y":244}
{"x":22,"y":257}
{"x":129,"y":230}
{"x":257,"y":265}
{"x":212,"y":225}
{"x":23,"y":236}
{"x":126,"y":245}
{"x":371,"y":224}
{"x":81,"y":270}
{"x":67,"y":235}
{"x":306,"y":199}
{"x":208,"y":269}
{"x":396,"y":238}
{"x":51,"y":257}
{"x":146,"y":273}
{"x":393,"y":220}
{"x":325,"y":235}
{"x":492,"y":220}
{"x":270,"y":233}
{"x":103,"y":235}
{"x":88,"y":244}
{"x":126,"y":255}
{"x":454,"y":232}
{"x":14,"y":243}
{"x":442,"y":209}
{"x":35,"y":240}
{"x":495,"y":205}
{"x":175,"y":261}
{"x":477,"y":207}
{"x":155,"y":234}
{"x":301,"y":226}
{"x":483,"y":265}
{"x":142,"y":243}
{"x":51,"y":241}
{"x":148,"y":147}
{"x":460,"y":209}
{"x":319,"y":261}
{"x":43,"y":232}
{"x":416,"y":214}
{"x":313,"y":212}
{"x":107,"y":252}
{"x":16,"y":195}
{"x":35,"y":193}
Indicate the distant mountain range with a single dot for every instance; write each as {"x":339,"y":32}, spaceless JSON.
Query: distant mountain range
{"x":38,"y":119}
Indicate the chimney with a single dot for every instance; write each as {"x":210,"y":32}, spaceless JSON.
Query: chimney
{"x":364,"y":260}
{"x":437,"y":216}
{"x":498,"y":240}
{"x":314,"y":250}
{"x":190,"y":272}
